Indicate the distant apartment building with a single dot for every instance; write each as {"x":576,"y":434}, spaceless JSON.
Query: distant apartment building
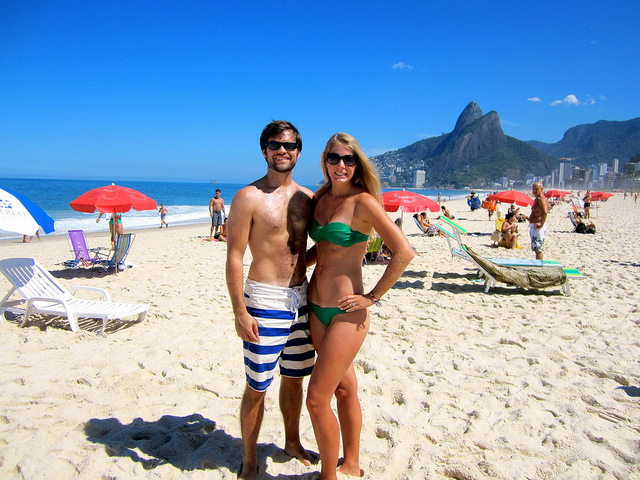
{"x":616,"y":165}
{"x":565,"y":171}
{"x":602,"y":170}
{"x":418,"y":178}
{"x":608,"y":181}
{"x":581,"y":177}
{"x":529,"y":179}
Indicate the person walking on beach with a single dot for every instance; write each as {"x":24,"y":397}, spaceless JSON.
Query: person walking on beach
{"x":28,"y":238}
{"x":348,"y":208}
{"x":162,"y":211}
{"x":537,"y":219}
{"x":216,"y":210}
{"x":270,"y":216}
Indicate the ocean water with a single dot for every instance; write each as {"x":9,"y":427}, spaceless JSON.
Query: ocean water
{"x":188,"y":203}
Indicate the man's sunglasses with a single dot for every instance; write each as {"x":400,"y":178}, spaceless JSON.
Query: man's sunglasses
{"x":334,"y":159}
{"x":288,"y":146}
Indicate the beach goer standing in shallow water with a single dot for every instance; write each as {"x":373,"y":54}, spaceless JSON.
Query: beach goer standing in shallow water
{"x":537,"y":219}
{"x":347,"y":209}
{"x":271,"y":314}
{"x":216,"y":210}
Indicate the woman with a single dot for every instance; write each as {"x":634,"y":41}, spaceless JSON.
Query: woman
{"x":115,"y":231}
{"x":587,"y":204}
{"x":348,"y":209}
{"x":509,"y":232}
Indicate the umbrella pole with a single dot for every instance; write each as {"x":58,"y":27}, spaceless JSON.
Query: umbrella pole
{"x":114,"y":241}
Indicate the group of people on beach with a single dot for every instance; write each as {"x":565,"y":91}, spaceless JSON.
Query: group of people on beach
{"x":283,"y":319}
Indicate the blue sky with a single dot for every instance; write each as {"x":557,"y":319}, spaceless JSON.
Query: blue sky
{"x":181,"y":90}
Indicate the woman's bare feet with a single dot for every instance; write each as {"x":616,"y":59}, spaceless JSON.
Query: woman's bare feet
{"x":344,"y":472}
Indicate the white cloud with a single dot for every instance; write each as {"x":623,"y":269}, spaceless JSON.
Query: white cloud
{"x":568,"y":100}
{"x":401,"y":66}
{"x":590,"y":100}
{"x":534,"y":99}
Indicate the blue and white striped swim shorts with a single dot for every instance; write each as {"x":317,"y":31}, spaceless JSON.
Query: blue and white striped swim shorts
{"x":283,"y":326}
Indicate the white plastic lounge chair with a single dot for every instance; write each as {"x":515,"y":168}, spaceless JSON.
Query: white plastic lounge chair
{"x":42,"y":293}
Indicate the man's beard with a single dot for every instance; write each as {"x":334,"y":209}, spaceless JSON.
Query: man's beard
{"x":282,"y":168}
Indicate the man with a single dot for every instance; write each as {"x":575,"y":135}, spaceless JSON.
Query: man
{"x":271,"y":314}
{"x":537,"y":219}
{"x":216,"y":210}
{"x":162,"y":211}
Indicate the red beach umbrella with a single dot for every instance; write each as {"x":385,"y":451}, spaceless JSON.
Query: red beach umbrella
{"x":512,"y":196}
{"x":407,"y":201}
{"x":112,"y":199}
{"x":595,"y":196}
{"x":555,"y":193}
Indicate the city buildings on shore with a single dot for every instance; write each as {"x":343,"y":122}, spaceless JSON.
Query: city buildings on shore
{"x":602,"y":176}
{"x":567,"y":176}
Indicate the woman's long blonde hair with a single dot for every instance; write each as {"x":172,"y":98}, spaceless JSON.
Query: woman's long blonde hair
{"x":365,"y":176}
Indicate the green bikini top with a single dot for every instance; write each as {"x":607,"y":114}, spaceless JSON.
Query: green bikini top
{"x":337,"y":233}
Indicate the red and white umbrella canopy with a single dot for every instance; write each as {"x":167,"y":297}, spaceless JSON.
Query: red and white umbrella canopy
{"x":407,"y":201}
{"x":555,"y":193}
{"x":112,"y":199}
{"x":595,"y":196}
{"x":512,"y":196}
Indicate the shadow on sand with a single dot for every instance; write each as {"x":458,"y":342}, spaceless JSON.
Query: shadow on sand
{"x":631,"y":391}
{"x":188,"y":443}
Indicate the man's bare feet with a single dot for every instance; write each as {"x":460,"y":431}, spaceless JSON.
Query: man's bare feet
{"x":246,"y":472}
{"x":307,"y":458}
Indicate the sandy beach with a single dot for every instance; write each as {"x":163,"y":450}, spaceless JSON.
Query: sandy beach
{"x":454,"y":383}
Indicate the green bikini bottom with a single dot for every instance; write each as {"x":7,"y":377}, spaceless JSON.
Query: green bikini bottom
{"x":324,"y":314}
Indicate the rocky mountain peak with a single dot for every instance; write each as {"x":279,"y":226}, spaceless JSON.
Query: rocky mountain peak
{"x":470,"y":114}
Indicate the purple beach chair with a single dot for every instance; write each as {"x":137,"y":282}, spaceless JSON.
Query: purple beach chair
{"x":83,"y":254}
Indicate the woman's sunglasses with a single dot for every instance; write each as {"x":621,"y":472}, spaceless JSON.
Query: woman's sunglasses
{"x":288,"y":146}
{"x":334,"y":159}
